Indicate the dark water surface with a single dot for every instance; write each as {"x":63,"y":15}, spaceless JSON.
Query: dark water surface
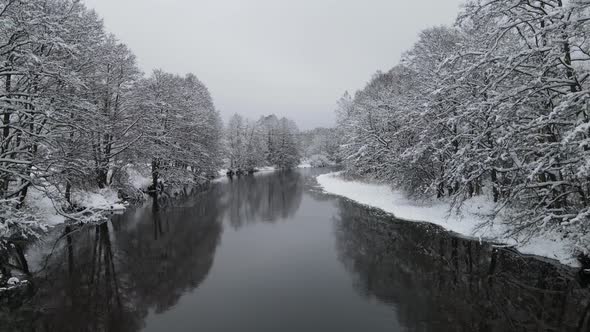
{"x":272,"y":253}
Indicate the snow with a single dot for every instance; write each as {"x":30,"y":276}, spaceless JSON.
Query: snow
{"x":266,"y":169}
{"x":317,"y":160}
{"x":11,"y":284}
{"x":138,"y":180}
{"x":259,"y":171}
{"x":221,"y":176}
{"x":474,"y":213}
{"x":99,"y":200}
{"x":381,"y":196}
{"x":13,"y":281}
{"x":43,"y":206}
{"x":105,"y":199}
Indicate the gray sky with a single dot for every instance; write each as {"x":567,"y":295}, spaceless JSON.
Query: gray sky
{"x":294,"y":58}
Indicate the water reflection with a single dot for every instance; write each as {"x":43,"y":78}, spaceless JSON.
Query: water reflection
{"x":136,"y":269}
{"x":172,"y":254}
{"x":437,"y":282}
{"x":111,"y":276}
{"x":108,"y":277}
{"x":268,"y":197}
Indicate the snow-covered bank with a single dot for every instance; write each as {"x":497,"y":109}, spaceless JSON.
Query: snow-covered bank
{"x":473,"y":214}
{"x":102,"y":200}
{"x":44,"y":210}
{"x":316,"y":161}
{"x":43,"y":207}
{"x":266,"y":169}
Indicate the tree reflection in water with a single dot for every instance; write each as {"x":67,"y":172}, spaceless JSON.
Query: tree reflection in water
{"x":267,"y":197}
{"x":108,"y":277}
{"x":437,"y":282}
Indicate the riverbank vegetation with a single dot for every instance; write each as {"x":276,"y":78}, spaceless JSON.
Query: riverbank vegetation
{"x":84,"y":131}
{"x":497,"y":105}
{"x":321,"y":147}
{"x":78,"y":117}
{"x":270,"y":141}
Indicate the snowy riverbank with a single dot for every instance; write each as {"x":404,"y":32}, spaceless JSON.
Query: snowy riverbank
{"x":473,"y":214}
{"x":41,"y":203}
{"x":106,"y":200}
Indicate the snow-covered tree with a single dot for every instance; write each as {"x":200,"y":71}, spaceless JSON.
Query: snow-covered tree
{"x":498,"y":105}
{"x":270,"y":141}
{"x":181,"y":128}
{"x":323,"y":143}
{"x":74,"y":109}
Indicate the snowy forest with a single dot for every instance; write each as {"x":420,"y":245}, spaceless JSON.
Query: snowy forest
{"x":80,"y":120}
{"x":77,"y":113}
{"x":497,"y":105}
{"x":267,"y":142}
{"x":274,"y":142}
{"x":463,"y":170}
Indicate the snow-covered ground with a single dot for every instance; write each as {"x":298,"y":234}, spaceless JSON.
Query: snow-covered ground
{"x":102,"y":199}
{"x":106,"y":199}
{"x":316,"y":161}
{"x":136,"y":179}
{"x":12,"y":283}
{"x":42,"y":206}
{"x":266,"y":169}
{"x":473,"y":214}
{"x":99,"y":200}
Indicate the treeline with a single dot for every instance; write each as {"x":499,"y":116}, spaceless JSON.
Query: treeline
{"x":76,"y":111}
{"x":498,"y":104}
{"x":321,"y":146}
{"x":269,"y":141}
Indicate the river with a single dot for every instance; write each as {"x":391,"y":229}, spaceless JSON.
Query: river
{"x":271,"y":252}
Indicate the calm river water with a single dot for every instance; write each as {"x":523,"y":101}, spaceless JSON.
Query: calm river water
{"x":272,"y":253}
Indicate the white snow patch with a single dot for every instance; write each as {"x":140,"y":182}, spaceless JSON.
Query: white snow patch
{"x":474,"y":212}
{"x":13,"y":281}
{"x":266,"y":169}
{"x":304,"y":165}
{"x":549,"y":245}
{"x":221,"y":176}
{"x":138,"y":180}
{"x":43,"y":206}
{"x":104,"y":199}
{"x":383,"y":197}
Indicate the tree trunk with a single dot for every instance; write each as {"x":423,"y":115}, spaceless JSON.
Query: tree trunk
{"x":68,"y":193}
{"x":101,"y":177}
{"x":5,"y":133}
{"x":495,"y":191}
{"x":155,"y":175}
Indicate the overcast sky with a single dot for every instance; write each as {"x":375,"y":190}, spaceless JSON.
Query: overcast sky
{"x":294,"y":58}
